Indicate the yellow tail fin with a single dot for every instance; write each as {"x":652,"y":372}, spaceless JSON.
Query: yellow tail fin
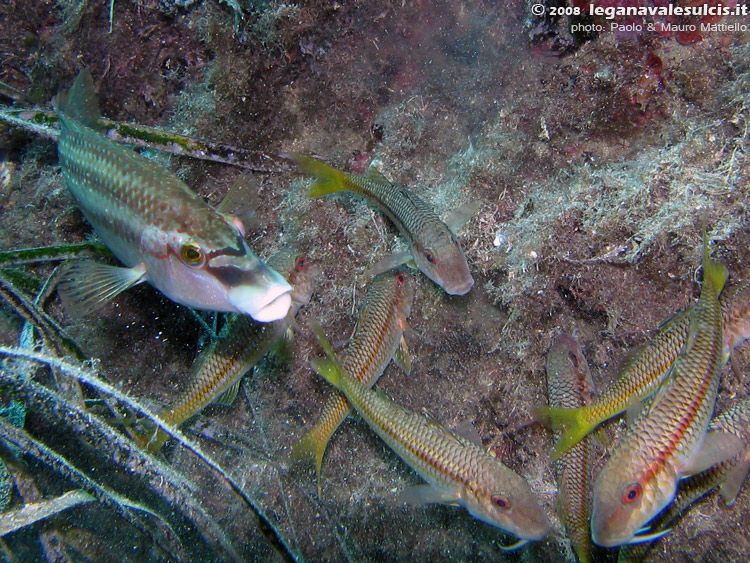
{"x":570,"y":423}
{"x":327,"y":179}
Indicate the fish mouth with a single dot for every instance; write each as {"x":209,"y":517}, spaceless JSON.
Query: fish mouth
{"x":460,"y":289}
{"x":262,"y":304}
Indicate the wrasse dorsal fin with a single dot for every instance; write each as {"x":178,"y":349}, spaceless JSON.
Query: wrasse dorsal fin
{"x":717,"y":446}
{"x":79,"y":102}
{"x":86,"y":286}
{"x":241,"y":200}
{"x":376,"y":176}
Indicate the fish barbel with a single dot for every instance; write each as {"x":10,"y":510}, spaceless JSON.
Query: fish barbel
{"x":458,"y":472}
{"x":569,"y":385}
{"x":666,"y":441}
{"x":377,"y":337}
{"x":217,"y":372}
{"x":161,"y":230}
{"x":433,"y":246}
{"x":644,"y":370}
{"x":728,"y":475}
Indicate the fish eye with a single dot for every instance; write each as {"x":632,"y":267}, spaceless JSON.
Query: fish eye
{"x":430,"y":257}
{"x":400,"y":278}
{"x":632,"y":493}
{"x":192,"y":254}
{"x":501,"y":502}
{"x":299,"y":263}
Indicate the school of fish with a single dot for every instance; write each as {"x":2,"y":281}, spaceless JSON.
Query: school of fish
{"x":671,"y":454}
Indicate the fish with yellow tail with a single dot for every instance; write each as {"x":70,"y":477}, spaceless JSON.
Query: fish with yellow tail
{"x":458,"y":472}
{"x":434,"y":248}
{"x":643,"y":371}
{"x":216,"y":374}
{"x":569,"y":385}
{"x":377,"y":337}
{"x":666,"y":441}
{"x":162,"y":231}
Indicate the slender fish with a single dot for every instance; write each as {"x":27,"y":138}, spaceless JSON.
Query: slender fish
{"x":569,"y":385}
{"x":729,"y":475}
{"x":217,"y":372}
{"x":458,"y":472}
{"x":644,"y":370}
{"x":161,"y":230}
{"x":377,"y":337}
{"x":434,"y":247}
{"x":667,"y":440}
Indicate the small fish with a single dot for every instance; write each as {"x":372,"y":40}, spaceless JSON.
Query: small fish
{"x":666,"y":441}
{"x":644,"y":370}
{"x":728,"y":475}
{"x":377,"y":337}
{"x":216,"y":374}
{"x":433,"y":245}
{"x":458,"y":472}
{"x":569,"y":385}
{"x":161,"y":230}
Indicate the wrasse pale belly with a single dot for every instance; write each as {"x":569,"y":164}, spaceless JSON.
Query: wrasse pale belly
{"x":433,"y":246}
{"x":667,"y":440}
{"x":217,"y":372}
{"x":377,"y":337}
{"x":569,"y":385}
{"x":644,"y":370}
{"x":729,"y":475}
{"x":161,"y":230}
{"x":457,"y":471}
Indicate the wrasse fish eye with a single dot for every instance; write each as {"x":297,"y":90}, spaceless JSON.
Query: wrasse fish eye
{"x":401,"y":279}
{"x":192,"y":254}
{"x":430,"y":257}
{"x":501,"y":502}
{"x":299,"y":264}
{"x":632,"y":493}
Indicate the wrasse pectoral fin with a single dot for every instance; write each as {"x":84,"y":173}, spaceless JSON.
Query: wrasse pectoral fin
{"x":86,"y":286}
{"x":389,"y":263}
{"x":716,"y":447}
{"x":458,"y":218}
{"x":731,"y":486}
{"x":418,"y":495}
{"x":402,"y":357}
{"x":514,"y":546}
{"x":228,"y":397}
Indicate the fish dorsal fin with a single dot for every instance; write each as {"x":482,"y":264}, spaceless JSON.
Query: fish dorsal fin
{"x":467,"y":431}
{"x":241,"y":201}
{"x":86,"y":286}
{"x":375,"y":175}
{"x":79,"y":102}
{"x":459,"y":217}
{"x":229,"y":395}
{"x":402,"y":357}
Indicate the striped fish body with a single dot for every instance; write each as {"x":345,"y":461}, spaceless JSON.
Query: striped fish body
{"x":663,"y":444}
{"x":569,"y":385}
{"x":434,"y":247}
{"x":377,"y":337}
{"x":156,"y":225}
{"x":644,"y":370}
{"x":239,"y":347}
{"x":457,"y":471}
{"x":729,"y":475}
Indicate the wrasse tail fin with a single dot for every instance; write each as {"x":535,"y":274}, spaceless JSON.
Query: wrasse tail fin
{"x":311,"y":447}
{"x":328,"y":368}
{"x":86,"y":286}
{"x":327,"y":179}
{"x":79,"y":102}
{"x":714,"y":273}
{"x":569,"y":422}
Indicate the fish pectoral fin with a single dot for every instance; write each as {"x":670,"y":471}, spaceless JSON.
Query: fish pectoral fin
{"x":514,"y":546}
{"x":635,"y":407}
{"x":388,"y":263}
{"x":717,"y":446}
{"x":402,"y":357}
{"x":228,"y":396}
{"x":426,"y":494}
{"x":731,"y":486}
{"x":458,"y":218}
{"x":86,"y":286}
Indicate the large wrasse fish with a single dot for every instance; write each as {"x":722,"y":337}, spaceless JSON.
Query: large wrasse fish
{"x":569,"y":385}
{"x":434,"y":248}
{"x":727,"y":475}
{"x":155,"y":225}
{"x":457,"y":471}
{"x":666,"y":441}
{"x":217,"y":372}
{"x":644,"y":370}
{"x":377,"y":337}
